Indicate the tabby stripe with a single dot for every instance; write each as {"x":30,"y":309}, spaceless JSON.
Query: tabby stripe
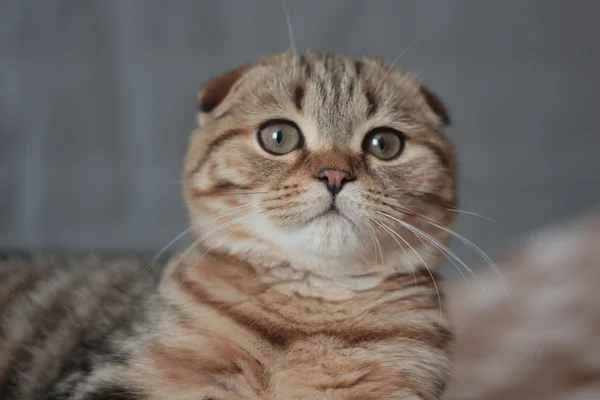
{"x":215,"y":144}
{"x":35,"y":284}
{"x":358,"y":66}
{"x":372,"y":105}
{"x":175,"y":358}
{"x":299,"y":96}
{"x":47,"y":318}
{"x":420,"y":277}
{"x":62,"y":328}
{"x":73,"y":333}
{"x":350,"y":89}
{"x":20,"y":350}
{"x":271,"y":334}
{"x":283,"y":336}
{"x":437,"y":150}
{"x":113,"y":393}
{"x":221,"y":187}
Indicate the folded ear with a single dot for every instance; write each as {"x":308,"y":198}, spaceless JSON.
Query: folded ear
{"x":436,"y":105}
{"x":215,"y":92}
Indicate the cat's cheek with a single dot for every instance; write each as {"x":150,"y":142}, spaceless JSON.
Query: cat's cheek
{"x":200,"y":182}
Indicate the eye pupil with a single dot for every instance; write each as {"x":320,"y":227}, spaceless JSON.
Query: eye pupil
{"x":380,"y":143}
{"x":278,"y":136}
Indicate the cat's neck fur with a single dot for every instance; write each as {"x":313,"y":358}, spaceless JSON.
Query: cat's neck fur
{"x":306,"y":274}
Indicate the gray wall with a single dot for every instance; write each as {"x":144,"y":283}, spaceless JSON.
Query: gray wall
{"x":97,"y":99}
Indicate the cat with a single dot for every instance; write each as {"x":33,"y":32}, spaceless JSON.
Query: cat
{"x":320,"y":190}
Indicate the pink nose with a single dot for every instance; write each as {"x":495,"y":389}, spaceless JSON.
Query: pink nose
{"x":334,"y":179}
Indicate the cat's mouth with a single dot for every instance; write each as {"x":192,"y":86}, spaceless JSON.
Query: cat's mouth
{"x":332,"y":213}
{"x":332,"y":210}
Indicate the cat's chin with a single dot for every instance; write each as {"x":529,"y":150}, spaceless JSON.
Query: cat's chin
{"x":329,"y":234}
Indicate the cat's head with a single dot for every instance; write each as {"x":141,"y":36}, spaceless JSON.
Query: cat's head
{"x":321,"y":157}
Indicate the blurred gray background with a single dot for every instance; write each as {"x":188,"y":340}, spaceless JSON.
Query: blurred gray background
{"x":97,"y":99}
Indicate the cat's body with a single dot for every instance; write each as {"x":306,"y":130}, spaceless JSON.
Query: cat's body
{"x":314,"y":184}
{"x":85,"y":327}
{"x":69,"y":324}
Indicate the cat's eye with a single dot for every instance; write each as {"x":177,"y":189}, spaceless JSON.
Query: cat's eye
{"x":279,"y":137}
{"x":384,"y":143}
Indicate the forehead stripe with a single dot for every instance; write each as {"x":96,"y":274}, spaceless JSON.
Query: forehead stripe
{"x":299,"y":96}
{"x":215,"y":144}
{"x":372,"y":105}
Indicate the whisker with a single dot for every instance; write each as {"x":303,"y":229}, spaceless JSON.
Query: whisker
{"x":185,"y":232}
{"x":213,"y":246}
{"x":377,"y":246}
{"x":217,"y":229}
{"x":445,"y":250}
{"x":236,"y":194}
{"x":193,"y":246}
{"x":421,"y":258}
{"x":476,"y":248}
{"x":407,"y":211}
{"x":387,"y":229}
{"x":450,"y":256}
{"x":206,"y":252}
{"x":374,"y":245}
{"x":426,"y":246}
{"x":393,"y":64}
{"x":456,"y":210}
{"x":464,"y":240}
{"x":206,"y":235}
{"x":292,"y":38}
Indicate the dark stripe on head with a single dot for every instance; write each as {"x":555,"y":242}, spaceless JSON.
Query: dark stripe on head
{"x":351,"y":85}
{"x":358,"y":66}
{"x":299,"y":96}
{"x":372,"y":105}
{"x":215,"y":144}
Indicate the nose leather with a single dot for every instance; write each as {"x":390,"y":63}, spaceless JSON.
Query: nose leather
{"x":334,"y":179}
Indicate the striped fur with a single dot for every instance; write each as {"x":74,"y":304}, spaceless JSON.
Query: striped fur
{"x":277,"y":298}
{"x":231,"y":336}
{"x":68,"y":324}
